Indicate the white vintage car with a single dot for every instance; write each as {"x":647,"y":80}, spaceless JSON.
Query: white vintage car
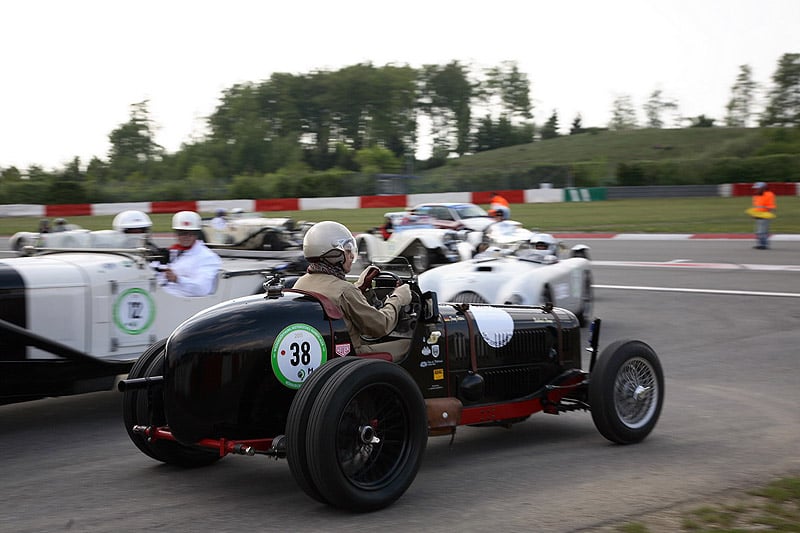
{"x":76,"y":315}
{"x":414,"y":238}
{"x":251,"y":231}
{"x":21,"y":239}
{"x":521,"y":276}
{"x":454,"y":215}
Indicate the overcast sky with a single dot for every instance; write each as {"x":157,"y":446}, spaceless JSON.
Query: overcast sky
{"x":71,"y":69}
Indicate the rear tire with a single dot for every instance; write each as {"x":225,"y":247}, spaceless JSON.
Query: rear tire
{"x":272,"y":241}
{"x":626,"y":391}
{"x":419,"y":257}
{"x":367,"y":433}
{"x":142,"y":407}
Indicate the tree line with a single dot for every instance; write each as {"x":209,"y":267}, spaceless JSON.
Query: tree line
{"x":299,"y":134}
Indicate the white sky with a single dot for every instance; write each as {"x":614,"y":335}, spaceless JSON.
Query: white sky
{"x":71,"y":69}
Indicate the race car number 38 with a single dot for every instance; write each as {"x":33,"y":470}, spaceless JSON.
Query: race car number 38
{"x":299,"y":349}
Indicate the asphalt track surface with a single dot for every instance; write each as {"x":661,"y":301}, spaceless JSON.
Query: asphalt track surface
{"x":724,"y":319}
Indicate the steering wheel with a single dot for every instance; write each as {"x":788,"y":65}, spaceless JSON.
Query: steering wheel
{"x":371,"y":292}
{"x":408,"y":314}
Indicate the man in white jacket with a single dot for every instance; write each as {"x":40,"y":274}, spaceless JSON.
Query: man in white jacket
{"x":193,"y":267}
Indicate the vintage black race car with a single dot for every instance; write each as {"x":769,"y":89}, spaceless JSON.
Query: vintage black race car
{"x":275,"y":375}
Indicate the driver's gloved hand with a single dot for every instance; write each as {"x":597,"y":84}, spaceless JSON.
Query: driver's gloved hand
{"x":365,"y":279}
{"x":403,"y":295}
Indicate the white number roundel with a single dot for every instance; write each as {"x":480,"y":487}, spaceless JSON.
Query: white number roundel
{"x":299,"y":349}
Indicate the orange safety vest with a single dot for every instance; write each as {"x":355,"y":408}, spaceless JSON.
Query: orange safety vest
{"x":499,"y":200}
{"x":764,"y":201}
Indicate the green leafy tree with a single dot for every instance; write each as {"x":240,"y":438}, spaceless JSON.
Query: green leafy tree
{"x":783,"y":108}
{"x":743,"y":93}
{"x":511,"y":88}
{"x":656,"y":105}
{"x":377,"y":159}
{"x":10,"y":174}
{"x":623,"y":115}
{"x":445,"y":95}
{"x":132,"y":144}
{"x":702,"y":121}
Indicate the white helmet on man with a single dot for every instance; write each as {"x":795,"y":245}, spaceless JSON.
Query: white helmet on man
{"x":132,"y":220}
{"x":544,"y":241}
{"x":186,"y":220}
{"x":328,"y":240}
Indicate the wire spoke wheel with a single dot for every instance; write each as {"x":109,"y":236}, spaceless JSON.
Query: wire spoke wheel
{"x":635,"y":392}
{"x":626,"y":391}
{"x":372,"y":436}
{"x":366,"y":435}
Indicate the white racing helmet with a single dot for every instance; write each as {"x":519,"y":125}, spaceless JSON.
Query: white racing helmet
{"x":132,"y":221}
{"x":328,"y":240}
{"x":186,"y":220}
{"x":544,"y":241}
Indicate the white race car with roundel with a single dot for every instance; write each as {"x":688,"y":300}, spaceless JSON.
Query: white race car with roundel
{"x":72,"y":318}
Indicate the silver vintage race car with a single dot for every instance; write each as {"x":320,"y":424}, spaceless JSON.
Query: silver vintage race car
{"x":252,"y":231}
{"x":21,"y":239}
{"x":413,"y":237}
{"x":72,"y":318}
{"x":518,"y":274}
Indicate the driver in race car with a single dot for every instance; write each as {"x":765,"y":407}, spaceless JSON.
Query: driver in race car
{"x":545,"y":242}
{"x":138,"y":226}
{"x":193,"y":267}
{"x":329,"y":248}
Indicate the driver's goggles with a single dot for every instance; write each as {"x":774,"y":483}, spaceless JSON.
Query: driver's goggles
{"x":347,"y":244}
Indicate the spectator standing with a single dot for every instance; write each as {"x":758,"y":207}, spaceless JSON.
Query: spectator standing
{"x":499,"y":203}
{"x":763,"y":209}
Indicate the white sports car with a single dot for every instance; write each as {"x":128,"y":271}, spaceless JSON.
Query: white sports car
{"x":524,"y":277}
{"x":454,"y":215}
{"x":416,"y":239}
{"x":251,"y":231}
{"x":21,"y":239}
{"x":71,"y":320}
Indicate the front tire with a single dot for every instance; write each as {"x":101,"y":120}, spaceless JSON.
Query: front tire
{"x":297,"y":424}
{"x":143,"y":407}
{"x":626,"y":391}
{"x":366,"y":436}
{"x":587,"y":300}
